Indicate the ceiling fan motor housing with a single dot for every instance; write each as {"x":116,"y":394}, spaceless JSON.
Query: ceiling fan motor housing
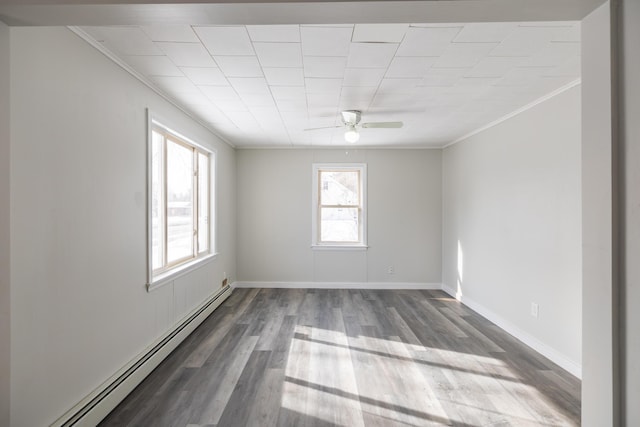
{"x":351,"y":117}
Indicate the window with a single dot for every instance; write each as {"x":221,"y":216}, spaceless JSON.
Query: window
{"x":339,"y":215}
{"x":179,"y":202}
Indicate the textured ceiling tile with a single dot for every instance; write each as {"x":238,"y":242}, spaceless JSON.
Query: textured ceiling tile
{"x":325,"y":41}
{"x":485,"y":32}
{"x":323,"y":85}
{"x":324,"y":67}
{"x":205,"y":76}
{"x":274,"y":33}
{"x":409,"y":66}
{"x":363,"y":76}
{"x":153,"y":65}
{"x":526,"y":41}
{"x":280,"y":76}
{"x":257,"y":85}
{"x":281,"y":93}
{"x":239,"y":66}
{"x":399,"y":85}
{"x":494,"y":66}
{"x":125,"y":40}
{"x":187,"y":54}
{"x":371,"y":55}
{"x":171,"y":33}
{"x":443,"y":76}
{"x":279,"y":54}
{"x":553,"y":54}
{"x":216,"y":93}
{"x":379,"y":33}
{"x":427,"y":41}
{"x":462,"y":55}
{"x":225,"y":40}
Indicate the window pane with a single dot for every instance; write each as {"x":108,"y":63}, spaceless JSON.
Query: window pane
{"x":339,"y":225}
{"x":203,"y":202}
{"x":339,"y":188}
{"x":179,"y":202}
{"x":157,"y":210}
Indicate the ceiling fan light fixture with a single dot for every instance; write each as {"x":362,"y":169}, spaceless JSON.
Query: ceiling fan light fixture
{"x":351,"y":135}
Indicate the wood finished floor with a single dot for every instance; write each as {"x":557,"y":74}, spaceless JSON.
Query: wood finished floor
{"x":304,"y":357}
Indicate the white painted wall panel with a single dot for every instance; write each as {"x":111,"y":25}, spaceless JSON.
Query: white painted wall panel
{"x":404,"y":217}
{"x":598,"y":391}
{"x":630,"y":133}
{"x":5,"y":228}
{"x":80,"y":310}
{"x":511,"y":222}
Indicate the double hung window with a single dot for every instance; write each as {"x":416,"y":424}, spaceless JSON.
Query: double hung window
{"x":339,"y":215}
{"x":180,"y":196}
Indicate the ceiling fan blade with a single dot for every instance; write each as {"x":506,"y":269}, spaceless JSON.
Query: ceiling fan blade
{"x":383,"y":125}
{"x":324,"y":127}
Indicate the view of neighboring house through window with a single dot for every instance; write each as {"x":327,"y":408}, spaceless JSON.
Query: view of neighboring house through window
{"x":339,"y":208}
{"x":179,"y":200}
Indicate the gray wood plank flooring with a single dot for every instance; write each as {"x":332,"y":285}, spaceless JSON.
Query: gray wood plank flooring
{"x":308,"y":357}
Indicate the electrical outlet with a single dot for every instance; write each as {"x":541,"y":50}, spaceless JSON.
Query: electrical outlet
{"x":391,"y":270}
{"x":534,"y":310}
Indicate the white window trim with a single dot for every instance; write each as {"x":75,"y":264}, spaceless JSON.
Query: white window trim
{"x":157,"y":281}
{"x":315,"y":243}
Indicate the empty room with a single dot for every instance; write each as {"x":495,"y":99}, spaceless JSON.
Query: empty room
{"x":343,"y":213}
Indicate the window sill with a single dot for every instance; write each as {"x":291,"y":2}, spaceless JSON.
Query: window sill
{"x":169,"y":276}
{"x":339,"y":247}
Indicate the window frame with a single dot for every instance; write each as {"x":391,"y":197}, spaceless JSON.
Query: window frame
{"x":171,"y":270}
{"x":316,"y":242}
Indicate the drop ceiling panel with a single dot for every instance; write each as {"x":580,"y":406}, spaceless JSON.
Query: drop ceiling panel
{"x":333,"y":86}
{"x":371,"y":55}
{"x":205,"y":76}
{"x":279,"y":54}
{"x":427,"y":41}
{"x":463,"y":55}
{"x":363,"y":76}
{"x":171,"y":33}
{"x":485,"y":32}
{"x":225,"y":40}
{"x":325,"y":41}
{"x":409,"y":66}
{"x":379,"y":33}
{"x":239,"y":66}
{"x":324,"y":66}
{"x":187,"y":54}
{"x":280,"y":76}
{"x":153,"y":65}
{"x":274,"y":33}
{"x":495,"y":66}
{"x":263,"y":85}
{"x":124,"y":40}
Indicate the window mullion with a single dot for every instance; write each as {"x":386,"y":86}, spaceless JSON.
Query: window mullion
{"x":195,"y":202}
{"x":164,"y":225}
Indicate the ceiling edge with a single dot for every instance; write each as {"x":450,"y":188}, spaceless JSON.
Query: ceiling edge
{"x":506,"y":117}
{"x":106,"y":52}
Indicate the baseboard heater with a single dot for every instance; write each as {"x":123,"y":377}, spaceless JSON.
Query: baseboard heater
{"x":96,"y":406}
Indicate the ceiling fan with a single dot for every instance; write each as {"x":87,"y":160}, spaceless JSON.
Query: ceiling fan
{"x":351,"y":120}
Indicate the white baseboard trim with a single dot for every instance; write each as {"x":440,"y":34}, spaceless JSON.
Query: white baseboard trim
{"x":550,"y":353}
{"x":338,"y":285}
{"x":97,"y":405}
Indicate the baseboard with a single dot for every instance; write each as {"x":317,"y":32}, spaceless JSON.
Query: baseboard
{"x":338,"y":285}
{"x":550,"y":353}
{"x":93,"y":408}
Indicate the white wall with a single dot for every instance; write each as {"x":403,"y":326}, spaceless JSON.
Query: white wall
{"x":511,"y":215}
{"x":629,"y":75}
{"x":79,"y":308}
{"x":404,"y":218}
{"x":5,"y":307}
{"x":598,"y":389}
